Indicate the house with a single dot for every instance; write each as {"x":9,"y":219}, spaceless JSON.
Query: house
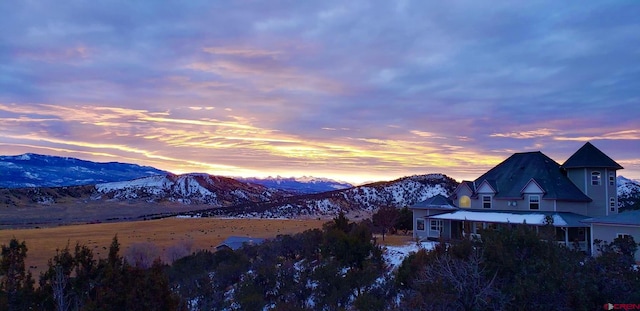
{"x":236,"y":242}
{"x":616,"y":225}
{"x":435,"y":205}
{"x":531,"y":188}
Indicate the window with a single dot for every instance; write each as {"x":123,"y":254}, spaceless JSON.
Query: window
{"x":612,"y":204}
{"x":595,"y":178}
{"x":437,"y":225}
{"x":534,"y":202}
{"x":612,"y":179}
{"x":623,"y":236}
{"x":420,"y":224}
{"x":464,"y":201}
{"x":486,"y":201}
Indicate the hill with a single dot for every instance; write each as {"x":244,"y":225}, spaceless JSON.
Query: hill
{"x":362,"y":199}
{"x":628,"y":193}
{"x":34,"y":170}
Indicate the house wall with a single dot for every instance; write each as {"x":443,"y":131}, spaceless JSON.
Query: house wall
{"x":460,"y":192}
{"x":600,"y":194}
{"x":419,"y":214}
{"x":521,"y":204}
{"x":609,"y":232}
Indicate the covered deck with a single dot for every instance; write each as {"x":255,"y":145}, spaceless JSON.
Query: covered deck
{"x":459,"y":224}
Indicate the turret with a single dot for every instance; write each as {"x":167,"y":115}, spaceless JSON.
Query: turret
{"x":594,"y":173}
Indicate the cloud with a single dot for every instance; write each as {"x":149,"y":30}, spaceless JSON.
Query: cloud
{"x":398,"y":87}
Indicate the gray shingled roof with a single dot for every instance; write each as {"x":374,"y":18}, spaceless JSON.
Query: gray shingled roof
{"x":236,"y":242}
{"x":512,"y":175}
{"x":624,"y":218}
{"x":590,"y":156}
{"x":437,"y":201}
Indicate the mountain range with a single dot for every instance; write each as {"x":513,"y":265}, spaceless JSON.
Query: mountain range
{"x":36,"y":170}
{"x":52,"y":181}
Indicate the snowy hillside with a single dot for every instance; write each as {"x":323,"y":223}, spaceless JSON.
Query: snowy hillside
{"x":628,"y":193}
{"x":187,"y":189}
{"x":402,"y":192}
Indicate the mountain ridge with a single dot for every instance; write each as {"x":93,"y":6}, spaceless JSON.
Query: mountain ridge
{"x":32,"y":170}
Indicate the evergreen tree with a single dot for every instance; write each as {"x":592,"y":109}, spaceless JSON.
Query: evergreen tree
{"x":16,"y":284}
{"x":404,"y":221}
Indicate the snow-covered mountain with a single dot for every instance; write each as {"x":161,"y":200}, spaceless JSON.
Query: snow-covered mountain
{"x":366,"y":198}
{"x":628,"y":193}
{"x":206,"y":189}
{"x":302,"y":185}
{"x":35,"y":170}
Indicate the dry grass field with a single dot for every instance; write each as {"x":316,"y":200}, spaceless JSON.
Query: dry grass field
{"x":201,"y":233}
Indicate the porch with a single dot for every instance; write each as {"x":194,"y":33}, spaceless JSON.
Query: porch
{"x":457,"y":225}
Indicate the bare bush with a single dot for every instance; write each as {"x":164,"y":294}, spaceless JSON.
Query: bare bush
{"x":142,"y":255}
{"x":470,"y":286}
{"x":177,"y":251}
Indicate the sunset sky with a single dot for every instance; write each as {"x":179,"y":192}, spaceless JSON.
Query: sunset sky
{"x":351,"y":90}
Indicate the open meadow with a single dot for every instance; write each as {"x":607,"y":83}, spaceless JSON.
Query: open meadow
{"x":196,"y":233}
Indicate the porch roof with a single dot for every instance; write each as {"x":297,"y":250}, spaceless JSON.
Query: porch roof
{"x":625,"y":218}
{"x":560,"y":219}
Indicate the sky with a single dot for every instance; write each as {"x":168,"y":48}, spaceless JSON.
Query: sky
{"x":352,"y":90}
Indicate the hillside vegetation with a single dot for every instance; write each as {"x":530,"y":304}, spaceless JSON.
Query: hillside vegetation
{"x":338,"y":267}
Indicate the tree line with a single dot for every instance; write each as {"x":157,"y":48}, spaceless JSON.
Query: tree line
{"x":338,"y":267}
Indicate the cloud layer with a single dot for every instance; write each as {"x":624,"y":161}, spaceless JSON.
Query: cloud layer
{"x":356,"y":90}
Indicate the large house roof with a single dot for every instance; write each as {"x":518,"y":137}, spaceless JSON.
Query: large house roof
{"x":510,"y":177}
{"x":590,"y":156}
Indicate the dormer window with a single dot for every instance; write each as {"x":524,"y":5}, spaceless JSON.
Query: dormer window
{"x":534,"y":202}
{"x":596,"y":178}
{"x":486,"y":201}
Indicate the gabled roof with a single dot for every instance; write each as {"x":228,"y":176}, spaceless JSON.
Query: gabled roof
{"x":490,"y":183}
{"x":625,"y":218}
{"x":531,"y":181}
{"x":513,"y":174}
{"x":468,"y":184}
{"x":590,"y":156}
{"x":437,"y":201}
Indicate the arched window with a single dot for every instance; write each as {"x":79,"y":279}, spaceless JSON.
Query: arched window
{"x":596,"y":178}
{"x":464,"y":201}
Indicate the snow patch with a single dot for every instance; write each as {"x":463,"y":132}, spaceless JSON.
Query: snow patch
{"x":395,"y":255}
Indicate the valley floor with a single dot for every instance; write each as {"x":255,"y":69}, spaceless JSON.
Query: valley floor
{"x":194,"y":233}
